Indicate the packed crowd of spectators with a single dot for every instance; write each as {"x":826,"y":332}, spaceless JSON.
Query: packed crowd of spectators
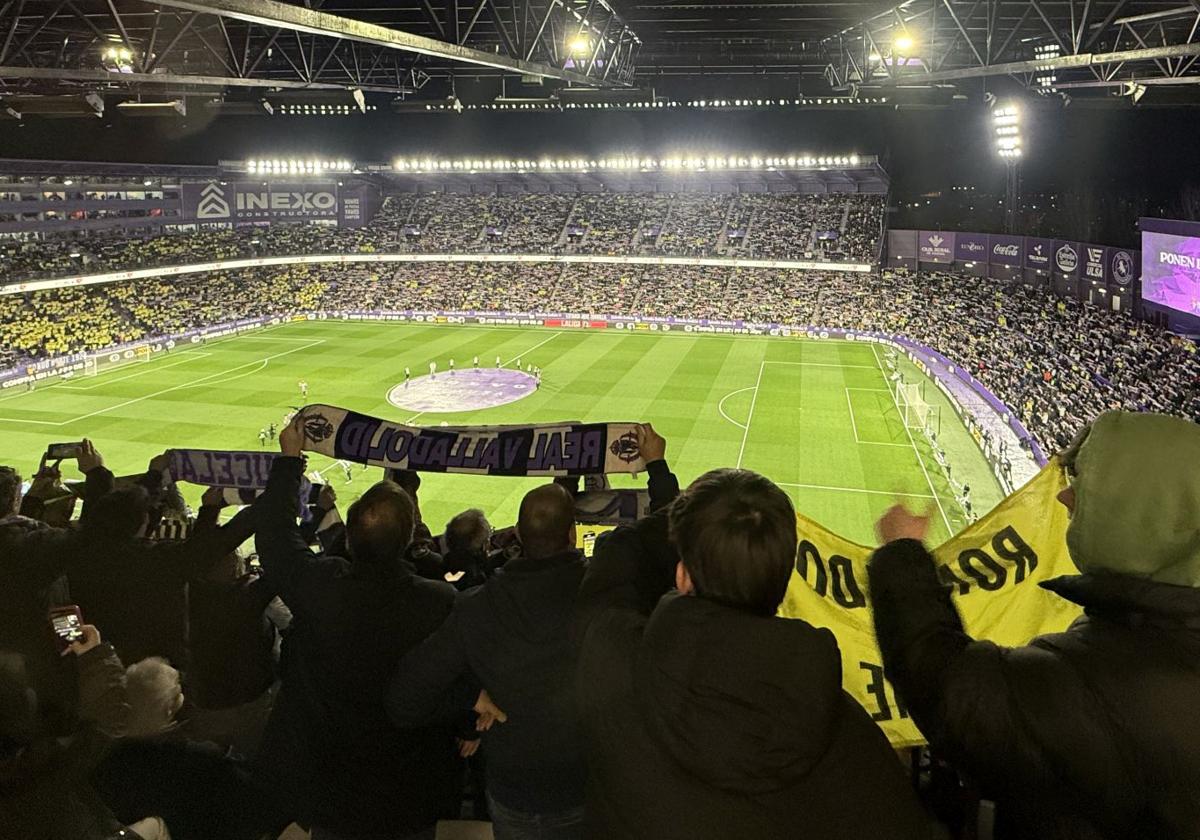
{"x":776,"y":226}
{"x":359,"y":677}
{"x":1057,"y":363}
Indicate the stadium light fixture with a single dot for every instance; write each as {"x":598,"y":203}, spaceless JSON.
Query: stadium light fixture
{"x":580,"y":45}
{"x":1006,"y":126}
{"x":903,"y":44}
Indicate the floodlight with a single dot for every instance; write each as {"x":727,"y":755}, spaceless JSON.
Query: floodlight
{"x":580,"y":45}
{"x":903,"y":44}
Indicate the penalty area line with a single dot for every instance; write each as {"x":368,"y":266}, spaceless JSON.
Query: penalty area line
{"x":721,"y":405}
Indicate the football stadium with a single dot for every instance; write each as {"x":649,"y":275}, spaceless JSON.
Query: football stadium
{"x":599,"y":419}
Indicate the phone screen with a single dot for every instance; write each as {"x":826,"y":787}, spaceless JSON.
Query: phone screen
{"x":68,"y":627}
{"x":63,"y":451}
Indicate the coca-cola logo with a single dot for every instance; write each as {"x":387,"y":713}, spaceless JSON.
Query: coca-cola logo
{"x":1006,"y":250}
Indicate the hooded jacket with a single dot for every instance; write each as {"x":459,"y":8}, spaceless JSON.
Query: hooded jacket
{"x":510,"y":636}
{"x":703,"y":722}
{"x":1089,"y":733}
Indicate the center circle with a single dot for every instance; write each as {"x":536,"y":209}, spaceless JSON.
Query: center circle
{"x":462,"y":390}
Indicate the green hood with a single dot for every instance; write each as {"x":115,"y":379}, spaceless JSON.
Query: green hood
{"x":1137,"y":498}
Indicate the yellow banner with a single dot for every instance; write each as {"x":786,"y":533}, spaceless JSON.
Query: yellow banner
{"x":994,"y":568}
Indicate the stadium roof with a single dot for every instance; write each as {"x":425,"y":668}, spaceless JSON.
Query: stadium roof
{"x":77,"y":57}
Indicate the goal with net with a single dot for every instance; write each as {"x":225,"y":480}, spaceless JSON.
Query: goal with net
{"x":101,"y":362}
{"x":915,"y":409}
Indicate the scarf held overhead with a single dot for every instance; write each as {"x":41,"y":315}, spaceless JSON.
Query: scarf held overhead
{"x":536,"y":450}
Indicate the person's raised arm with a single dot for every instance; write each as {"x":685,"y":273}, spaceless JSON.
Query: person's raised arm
{"x":98,"y":478}
{"x":663,"y":484}
{"x":979,"y":704}
{"x":102,"y":698}
{"x":633,"y":566}
{"x":284,"y":554}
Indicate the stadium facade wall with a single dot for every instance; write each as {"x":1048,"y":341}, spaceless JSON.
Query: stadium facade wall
{"x":989,"y":420}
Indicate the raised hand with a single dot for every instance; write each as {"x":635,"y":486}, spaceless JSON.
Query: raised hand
{"x":88,"y":458}
{"x":651,"y":444}
{"x":899,"y":523}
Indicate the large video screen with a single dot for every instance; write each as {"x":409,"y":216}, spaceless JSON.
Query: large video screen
{"x":1171,"y":271}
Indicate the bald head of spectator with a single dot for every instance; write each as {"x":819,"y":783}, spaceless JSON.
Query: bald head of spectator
{"x":379,"y":526}
{"x":546,"y":522}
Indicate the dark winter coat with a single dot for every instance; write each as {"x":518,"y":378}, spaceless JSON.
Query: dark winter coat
{"x":329,"y":749}
{"x":135,"y":590}
{"x":702,"y":722}
{"x":1089,"y":733}
{"x":510,"y":636}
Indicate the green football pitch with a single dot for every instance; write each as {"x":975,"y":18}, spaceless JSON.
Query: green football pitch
{"x":813,"y":415}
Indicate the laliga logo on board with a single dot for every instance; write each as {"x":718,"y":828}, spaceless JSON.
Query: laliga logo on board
{"x":1066,"y":259}
{"x":1122,"y":267}
{"x":212,"y":203}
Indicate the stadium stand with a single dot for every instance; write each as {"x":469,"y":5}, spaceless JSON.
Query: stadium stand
{"x":1056,"y":362}
{"x":613,"y":224}
{"x":408,"y":665}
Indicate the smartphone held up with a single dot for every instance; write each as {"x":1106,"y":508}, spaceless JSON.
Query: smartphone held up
{"x":67,"y":623}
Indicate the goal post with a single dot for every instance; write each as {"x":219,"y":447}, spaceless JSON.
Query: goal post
{"x":916,"y":411}
{"x":95,"y":363}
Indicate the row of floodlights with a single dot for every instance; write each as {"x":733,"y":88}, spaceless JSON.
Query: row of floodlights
{"x":321,"y":110}
{"x":296,"y":166}
{"x":659,"y":104}
{"x":620,"y":163}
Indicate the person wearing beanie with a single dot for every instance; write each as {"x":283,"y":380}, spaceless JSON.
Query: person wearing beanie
{"x":1089,"y":733}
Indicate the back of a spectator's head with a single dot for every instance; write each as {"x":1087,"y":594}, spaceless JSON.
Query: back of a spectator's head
{"x":155,"y":695}
{"x":736,"y":536}
{"x":122,"y":514}
{"x":546,"y":521}
{"x":10,"y":491}
{"x":379,"y":526}
{"x":468,"y":533}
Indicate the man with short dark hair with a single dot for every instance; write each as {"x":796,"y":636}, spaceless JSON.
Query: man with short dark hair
{"x":705,"y":716}
{"x":510,"y":637}
{"x":329,"y":752}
